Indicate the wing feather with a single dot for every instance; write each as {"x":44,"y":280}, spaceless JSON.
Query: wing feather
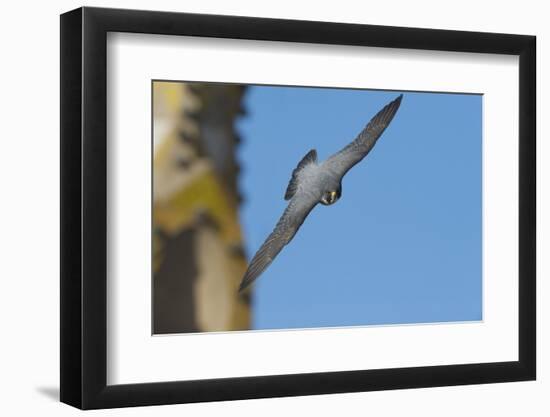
{"x":345,"y":159}
{"x":294,"y":215}
{"x":310,"y":158}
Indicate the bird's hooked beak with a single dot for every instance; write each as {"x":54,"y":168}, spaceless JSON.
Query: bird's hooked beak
{"x":332,"y":196}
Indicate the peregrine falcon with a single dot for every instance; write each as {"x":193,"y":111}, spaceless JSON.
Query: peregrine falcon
{"x":315,"y":182}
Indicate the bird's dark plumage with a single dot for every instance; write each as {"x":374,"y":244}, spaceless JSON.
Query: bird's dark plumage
{"x":287,"y":226}
{"x":310,"y":157}
{"x":313,"y":183}
{"x":344,"y":160}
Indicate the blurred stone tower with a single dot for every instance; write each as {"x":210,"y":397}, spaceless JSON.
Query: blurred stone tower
{"x":198,"y":258}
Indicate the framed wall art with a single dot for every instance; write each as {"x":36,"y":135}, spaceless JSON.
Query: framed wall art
{"x":257,"y":208}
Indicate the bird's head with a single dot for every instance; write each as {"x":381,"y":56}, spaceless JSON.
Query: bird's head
{"x":331,"y":195}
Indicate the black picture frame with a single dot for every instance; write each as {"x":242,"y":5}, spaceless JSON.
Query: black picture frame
{"x":84,"y":207}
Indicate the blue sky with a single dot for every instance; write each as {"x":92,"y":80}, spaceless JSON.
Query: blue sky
{"x":402,"y":245}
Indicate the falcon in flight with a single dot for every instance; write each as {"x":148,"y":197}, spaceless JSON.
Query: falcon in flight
{"x":315,"y":182}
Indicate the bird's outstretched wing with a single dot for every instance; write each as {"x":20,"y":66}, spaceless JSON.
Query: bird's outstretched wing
{"x":294,"y":215}
{"x":342,"y":161}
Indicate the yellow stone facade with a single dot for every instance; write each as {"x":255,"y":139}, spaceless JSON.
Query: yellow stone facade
{"x":197,"y":240}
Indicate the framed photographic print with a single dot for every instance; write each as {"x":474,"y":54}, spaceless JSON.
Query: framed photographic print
{"x":258,"y":208}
